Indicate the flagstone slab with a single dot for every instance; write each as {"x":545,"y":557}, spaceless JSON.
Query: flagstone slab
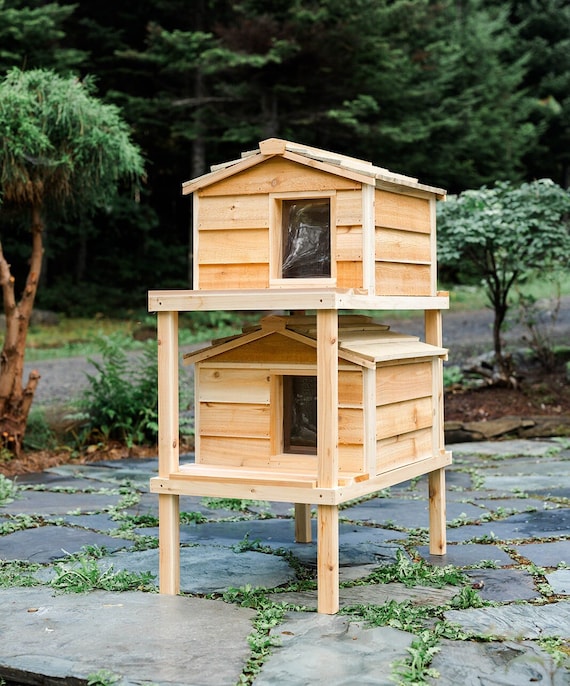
{"x":375,"y":594}
{"x":506,"y":448}
{"x":541,"y":466}
{"x":528,"y":483}
{"x":504,"y":585}
{"x":466,"y":555}
{"x":495,"y":664}
{"x":49,"y":543}
{"x":526,"y":525}
{"x":405,"y":513}
{"x":515,"y":622}
{"x":206,"y":569}
{"x":321,"y":649}
{"x":142,"y":637}
{"x":559,"y":581}
{"x":49,"y":503}
{"x":549,"y":554}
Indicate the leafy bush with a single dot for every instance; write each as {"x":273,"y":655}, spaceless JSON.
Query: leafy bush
{"x":122,"y":400}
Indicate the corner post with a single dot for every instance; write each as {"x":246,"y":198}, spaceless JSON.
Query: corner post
{"x":436,"y":479}
{"x":168,"y":451}
{"x":327,"y":456}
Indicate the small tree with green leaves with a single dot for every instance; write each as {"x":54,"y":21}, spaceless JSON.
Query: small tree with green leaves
{"x":61,"y":149}
{"x":502,"y":235}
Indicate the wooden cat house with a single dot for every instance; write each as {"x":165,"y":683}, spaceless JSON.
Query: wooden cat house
{"x":317,"y":404}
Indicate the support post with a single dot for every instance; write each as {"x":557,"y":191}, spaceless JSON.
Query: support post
{"x":168,"y":451}
{"x":327,"y":456}
{"x":436,"y":479}
{"x":303,"y":533}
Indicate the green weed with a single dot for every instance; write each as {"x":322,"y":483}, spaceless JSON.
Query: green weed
{"x":17,"y":573}
{"x":419,"y":573}
{"x":8,"y":490}
{"x":83,"y":574}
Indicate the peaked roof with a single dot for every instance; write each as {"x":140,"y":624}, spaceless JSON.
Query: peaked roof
{"x":360,"y":340}
{"x":333,"y":163}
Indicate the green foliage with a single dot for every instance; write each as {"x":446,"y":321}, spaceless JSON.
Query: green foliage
{"x":452,"y":376}
{"x":61,"y":146}
{"x":17,"y":573}
{"x":103,"y":677}
{"x":121,"y":401}
{"x":505,"y":234}
{"x":8,"y":490}
{"x":83,"y":574}
{"x":412,"y":573}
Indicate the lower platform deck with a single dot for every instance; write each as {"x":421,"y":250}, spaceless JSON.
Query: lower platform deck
{"x":286,"y":486}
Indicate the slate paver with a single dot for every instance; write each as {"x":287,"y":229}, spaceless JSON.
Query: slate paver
{"x":559,"y":581}
{"x":144,"y":637}
{"x":318,"y":649}
{"x":504,"y":585}
{"x":49,"y":543}
{"x":516,"y":621}
{"x":206,"y":569}
{"x":210,"y":562}
{"x":495,"y":664}
{"x":405,"y":513}
{"x":466,"y":555}
{"x":50,"y":503}
{"x":549,"y":554}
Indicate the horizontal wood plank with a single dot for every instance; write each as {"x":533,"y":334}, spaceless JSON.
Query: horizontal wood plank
{"x":274,"y":349}
{"x":231,"y":419}
{"x":350,"y":388}
{"x":233,"y":386}
{"x":238,"y":246}
{"x":349,"y":274}
{"x":349,"y":208}
{"x":349,"y":243}
{"x":233,"y":212}
{"x":400,"y":382}
{"x":277,"y":175}
{"x":403,"y":450}
{"x":350,"y":425}
{"x":399,"y":418}
{"x":397,"y":211}
{"x":393,"y":245}
{"x":394,"y":278}
{"x":233,"y":276}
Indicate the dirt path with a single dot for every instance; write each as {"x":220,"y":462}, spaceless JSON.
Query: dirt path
{"x":466,"y":334}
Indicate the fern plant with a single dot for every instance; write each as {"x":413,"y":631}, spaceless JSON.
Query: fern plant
{"x":121,"y":401}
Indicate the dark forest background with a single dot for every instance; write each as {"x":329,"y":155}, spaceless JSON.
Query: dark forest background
{"x":459,"y":93}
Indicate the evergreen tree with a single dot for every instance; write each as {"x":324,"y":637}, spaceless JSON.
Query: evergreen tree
{"x":61,"y":148}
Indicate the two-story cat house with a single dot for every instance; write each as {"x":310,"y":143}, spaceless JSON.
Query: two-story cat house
{"x":317,"y":405}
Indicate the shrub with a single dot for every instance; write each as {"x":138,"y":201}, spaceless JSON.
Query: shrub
{"x":122,"y":399}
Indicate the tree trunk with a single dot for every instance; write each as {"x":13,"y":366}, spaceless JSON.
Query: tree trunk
{"x":15,"y":399}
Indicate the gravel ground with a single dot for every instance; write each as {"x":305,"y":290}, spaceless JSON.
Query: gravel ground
{"x":466,"y":334}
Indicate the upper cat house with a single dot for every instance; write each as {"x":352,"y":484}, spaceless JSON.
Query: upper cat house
{"x":288,"y":216}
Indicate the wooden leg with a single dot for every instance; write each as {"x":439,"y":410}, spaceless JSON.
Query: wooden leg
{"x":437,"y":533}
{"x":169,"y":543}
{"x":168,"y":458}
{"x":327,"y":560}
{"x":303,"y":533}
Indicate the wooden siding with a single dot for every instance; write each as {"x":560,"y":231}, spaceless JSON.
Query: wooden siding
{"x":397,"y":383}
{"x":234,"y":386}
{"x":393,"y":278}
{"x":231,"y":212}
{"x":397,"y":211}
{"x":233,"y":276}
{"x":274,"y":350}
{"x":395,"y":245}
{"x":403,"y":417}
{"x":235,"y":246}
{"x":278,"y":175}
{"x":403,"y":450}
